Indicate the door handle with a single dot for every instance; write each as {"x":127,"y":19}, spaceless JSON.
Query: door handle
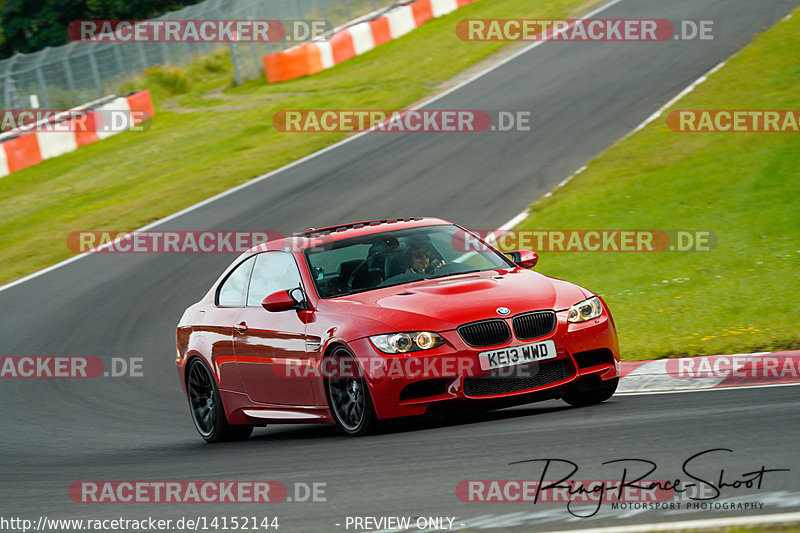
{"x":241,"y":327}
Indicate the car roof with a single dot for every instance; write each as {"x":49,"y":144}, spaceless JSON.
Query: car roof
{"x":317,"y":236}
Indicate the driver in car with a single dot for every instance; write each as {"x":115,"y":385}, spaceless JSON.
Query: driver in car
{"x":420,"y":261}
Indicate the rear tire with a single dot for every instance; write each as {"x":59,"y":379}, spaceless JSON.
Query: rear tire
{"x":205,"y":405}
{"x":348,"y":394}
{"x":605,"y":391}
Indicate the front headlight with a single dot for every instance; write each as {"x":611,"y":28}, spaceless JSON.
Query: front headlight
{"x":406,"y":342}
{"x":585,"y":310}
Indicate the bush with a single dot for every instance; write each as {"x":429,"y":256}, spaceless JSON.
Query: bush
{"x":171,"y":79}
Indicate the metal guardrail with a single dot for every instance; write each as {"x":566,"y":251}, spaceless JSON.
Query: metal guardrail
{"x":65,"y":76}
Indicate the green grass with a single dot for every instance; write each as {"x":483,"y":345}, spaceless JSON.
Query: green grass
{"x":208,"y":136}
{"x":744,"y":187}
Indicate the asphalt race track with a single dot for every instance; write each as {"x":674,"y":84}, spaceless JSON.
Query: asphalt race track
{"x":584,"y":97}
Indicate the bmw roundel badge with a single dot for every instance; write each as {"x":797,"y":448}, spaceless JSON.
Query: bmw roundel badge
{"x":503,"y":310}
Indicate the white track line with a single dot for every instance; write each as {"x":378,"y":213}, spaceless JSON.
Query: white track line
{"x":514,"y":221}
{"x":304,"y":159}
{"x":734,"y":387}
{"x":677,"y":97}
{"x":778,"y":518}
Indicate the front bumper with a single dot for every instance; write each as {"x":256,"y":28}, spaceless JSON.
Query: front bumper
{"x":409,"y":384}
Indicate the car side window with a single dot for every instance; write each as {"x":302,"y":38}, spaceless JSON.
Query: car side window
{"x":233,"y":289}
{"x":273,"y":272}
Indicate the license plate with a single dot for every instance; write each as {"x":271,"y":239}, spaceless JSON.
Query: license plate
{"x":517,"y":355}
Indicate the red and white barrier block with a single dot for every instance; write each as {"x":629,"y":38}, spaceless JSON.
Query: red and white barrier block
{"x":711,"y":372}
{"x":314,"y":56}
{"x":57,"y":138}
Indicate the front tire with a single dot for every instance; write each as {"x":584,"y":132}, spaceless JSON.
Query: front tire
{"x":205,"y":404}
{"x":348,"y":394}
{"x":578,"y":398}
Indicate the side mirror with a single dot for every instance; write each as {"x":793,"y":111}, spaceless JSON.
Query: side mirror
{"x":279,"y":301}
{"x":525,"y":258}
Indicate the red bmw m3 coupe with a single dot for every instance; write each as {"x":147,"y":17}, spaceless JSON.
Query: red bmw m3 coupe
{"x":370,"y":321}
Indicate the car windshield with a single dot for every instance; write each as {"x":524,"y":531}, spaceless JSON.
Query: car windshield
{"x":398,"y":257}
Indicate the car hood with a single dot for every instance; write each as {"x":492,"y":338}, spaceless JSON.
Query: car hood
{"x":445,"y":303}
